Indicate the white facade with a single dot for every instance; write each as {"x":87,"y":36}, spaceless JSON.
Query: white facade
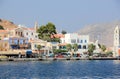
{"x":23,"y":31}
{"x":30,"y":34}
{"x":116,"y":41}
{"x":74,"y":38}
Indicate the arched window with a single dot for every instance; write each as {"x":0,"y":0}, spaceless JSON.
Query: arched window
{"x":84,"y":46}
{"x":79,"y":46}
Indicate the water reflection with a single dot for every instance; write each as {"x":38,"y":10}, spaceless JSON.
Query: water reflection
{"x":116,"y":61}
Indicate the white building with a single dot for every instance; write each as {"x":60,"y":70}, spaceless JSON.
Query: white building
{"x":22,"y":31}
{"x":74,"y":38}
{"x":116,"y":41}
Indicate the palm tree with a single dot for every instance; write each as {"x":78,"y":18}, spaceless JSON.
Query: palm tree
{"x":75,"y":47}
{"x":103,"y":48}
{"x":69,"y":47}
{"x":39,"y":47}
{"x":91,"y":48}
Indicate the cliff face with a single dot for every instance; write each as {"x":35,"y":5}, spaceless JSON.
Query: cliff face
{"x":7,"y":24}
{"x":103,"y":32}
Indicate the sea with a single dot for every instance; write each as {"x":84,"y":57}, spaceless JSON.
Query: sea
{"x":59,"y":69}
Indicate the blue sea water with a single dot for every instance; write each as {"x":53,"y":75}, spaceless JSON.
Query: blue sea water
{"x":81,"y":69}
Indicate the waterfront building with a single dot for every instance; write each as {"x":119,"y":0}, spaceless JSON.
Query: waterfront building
{"x":74,"y":38}
{"x":18,"y":42}
{"x":57,"y":45}
{"x":13,"y":46}
{"x":4,"y":34}
{"x":23,"y":31}
{"x":4,"y":45}
{"x":35,"y":43}
{"x":116,"y":41}
{"x":46,"y":47}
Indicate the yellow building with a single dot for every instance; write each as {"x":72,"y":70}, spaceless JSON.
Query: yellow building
{"x":4,"y":45}
{"x":46,"y":47}
{"x":4,"y":34}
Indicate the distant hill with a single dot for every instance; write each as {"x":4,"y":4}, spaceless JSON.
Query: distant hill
{"x":102,"y":32}
{"x":7,"y":24}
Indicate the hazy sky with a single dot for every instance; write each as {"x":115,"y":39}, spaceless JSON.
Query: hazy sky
{"x":69,"y":15}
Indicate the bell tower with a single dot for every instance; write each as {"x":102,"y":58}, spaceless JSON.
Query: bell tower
{"x":36,"y":26}
{"x":116,"y":41}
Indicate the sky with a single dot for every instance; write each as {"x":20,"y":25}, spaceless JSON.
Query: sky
{"x":68,"y":15}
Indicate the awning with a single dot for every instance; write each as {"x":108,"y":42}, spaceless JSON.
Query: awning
{"x":28,"y":51}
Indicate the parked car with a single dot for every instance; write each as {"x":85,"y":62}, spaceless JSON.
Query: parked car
{"x":59,"y":56}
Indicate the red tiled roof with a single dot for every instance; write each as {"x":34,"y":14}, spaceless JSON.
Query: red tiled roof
{"x":31,"y":28}
{"x":3,"y":31}
{"x":57,"y":36}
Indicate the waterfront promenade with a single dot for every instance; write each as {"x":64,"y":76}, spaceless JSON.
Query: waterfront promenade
{"x":53,"y":59}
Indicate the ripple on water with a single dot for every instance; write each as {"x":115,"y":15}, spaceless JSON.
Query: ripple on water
{"x":60,"y":70}
{"x":66,"y":77}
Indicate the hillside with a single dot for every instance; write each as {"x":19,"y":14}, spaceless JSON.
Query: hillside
{"x":102,"y":32}
{"x":7,"y":24}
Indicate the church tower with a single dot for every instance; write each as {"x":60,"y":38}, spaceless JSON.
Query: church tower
{"x":36,"y":26}
{"x":116,"y":41}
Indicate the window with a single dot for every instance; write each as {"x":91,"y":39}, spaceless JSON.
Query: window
{"x":35,"y":36}
{"x":21,"y":34}
{"x":85,"y":41}
{"x":54,"y":47}
{"x":27,"y":33}
{"x":84,"y":46}
{"x":23,"y":41}
{"x":35,"y":45}
{"x":81,"y":41}
{"x":73,"y":41}
{"x":16,"y":33}
{"x":31,"y":33}
{"x":18,"y":41}
{"x":79,"y":46}
{"x":64,"y":47}
{"x":77,"y":40}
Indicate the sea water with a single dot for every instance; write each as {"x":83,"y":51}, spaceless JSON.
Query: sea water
{"x":79,"y":69}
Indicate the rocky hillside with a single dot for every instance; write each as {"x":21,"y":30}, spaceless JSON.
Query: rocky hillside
{"x":102,"y":32}
{"x":7,"y":24}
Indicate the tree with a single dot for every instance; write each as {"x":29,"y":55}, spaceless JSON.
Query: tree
{"x":63,"y":32}
{"x":109,"y":53}
{"x":45,"y":32}
{"x":103,"y":47}
{"x":59,"y":51}
{"x":91,"y":48}
{"x":75,"y":47}
{"x":99,"y":45}
{"x":69,"y":47}
{"x":42,"y":31}
{"x":39,"y":47}
{"x":51,"y":28}
{"x":1,"y":27}
{"x":55,"y":40}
